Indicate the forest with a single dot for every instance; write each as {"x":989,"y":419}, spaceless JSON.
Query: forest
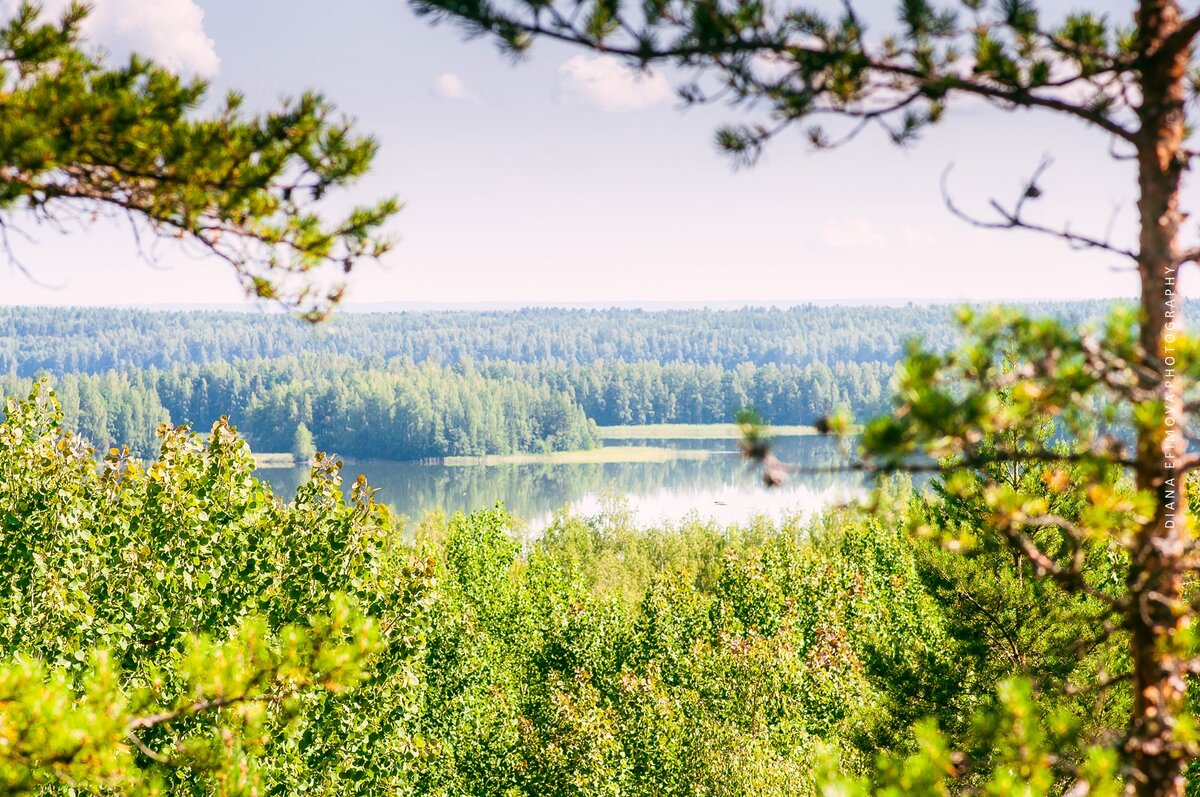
{"x":425,"y":385}
{"x":404,"y":412}
{"x":85,"y":340}
{"x":1007,"y":605}
{"x":459,"y":657}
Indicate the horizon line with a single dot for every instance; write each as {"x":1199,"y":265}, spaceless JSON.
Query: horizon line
{"x":615,"y":304}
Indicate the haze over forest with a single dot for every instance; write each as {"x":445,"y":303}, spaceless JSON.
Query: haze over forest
{"x":417,"y":385}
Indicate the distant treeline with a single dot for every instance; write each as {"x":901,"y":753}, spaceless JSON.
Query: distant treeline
{"x":90,"y":340}
{"x":404,"y":411}
{"x":408,"y":412}
{"x":417,"y":385}
{"x":622,"y":393}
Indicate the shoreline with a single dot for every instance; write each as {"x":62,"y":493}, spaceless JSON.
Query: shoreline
{"x":694,"y":431}
{"x":275,"y":460}
{"x":603,"y":454}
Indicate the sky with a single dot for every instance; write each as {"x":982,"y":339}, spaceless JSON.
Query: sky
{"x":567,"y":178}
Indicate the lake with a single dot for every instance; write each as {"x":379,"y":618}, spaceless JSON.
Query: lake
{"x":721,"y":486}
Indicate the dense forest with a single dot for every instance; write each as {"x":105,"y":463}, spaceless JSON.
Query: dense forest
{"x":601,"y":658}
{"x":399,"y":410}
{"x":418,"y":385}
{"x":1017,"y":616}
{"x":95,"y":340}
{"x":88,"y":340}
{"x":407,"y":412}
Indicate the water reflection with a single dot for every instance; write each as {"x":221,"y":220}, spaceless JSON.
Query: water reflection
{"x":720,"y":487}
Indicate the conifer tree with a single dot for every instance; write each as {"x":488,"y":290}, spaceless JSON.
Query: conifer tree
{"x":81,"y":138}
{"x":1134,"y":85}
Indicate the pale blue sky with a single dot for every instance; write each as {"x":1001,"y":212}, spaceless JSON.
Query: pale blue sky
{"x":559,"y":181}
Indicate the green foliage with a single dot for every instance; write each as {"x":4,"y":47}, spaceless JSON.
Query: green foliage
{"x":81,"y":725}
{"x":168,"y":627}
{"x":174,"y":628}
{"x":81,"y":138}
{"x":1035,"y":423}
{"x":304,"y":448}
{"x":1023,"y":744}
{"x":974,"y":405}
{"x":608,"y":659}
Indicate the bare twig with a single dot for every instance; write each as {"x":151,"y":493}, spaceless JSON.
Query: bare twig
{"x":1012,"y":219}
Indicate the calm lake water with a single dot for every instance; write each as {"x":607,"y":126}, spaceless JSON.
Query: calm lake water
{"x":720,"y":487}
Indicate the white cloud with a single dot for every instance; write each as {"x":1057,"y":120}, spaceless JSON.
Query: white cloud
{"x":450,"y":86}
{"x":856,"y":233}
{"x":604,"y":83}
{"x":171,"y":32}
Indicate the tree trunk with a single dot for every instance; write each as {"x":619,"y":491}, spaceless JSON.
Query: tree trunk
{"x":1155,"y":579}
